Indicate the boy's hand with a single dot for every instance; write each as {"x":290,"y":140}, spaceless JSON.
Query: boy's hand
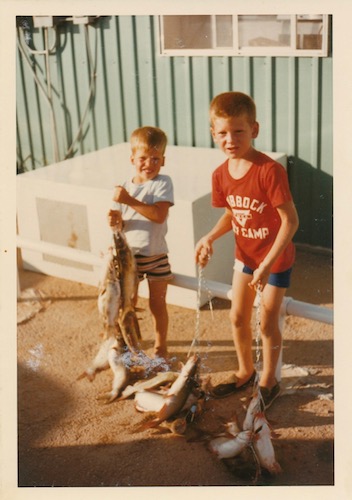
{"x":260,"y":278}
{"x":203,"y":251}
{"x":115,"y":218}
{"x":121,"y":195}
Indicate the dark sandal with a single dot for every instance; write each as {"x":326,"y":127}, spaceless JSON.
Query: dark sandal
{"x":224,"y":390}
{"x":268,"y":396}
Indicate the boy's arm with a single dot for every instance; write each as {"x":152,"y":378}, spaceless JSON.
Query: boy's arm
{"x":156,"y":212}
{"x":289,"y":225}
{"x":204,"y":247}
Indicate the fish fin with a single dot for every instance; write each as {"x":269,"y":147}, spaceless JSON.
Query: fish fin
{"x":139,"y":309}
{"x":126,"y":394}
{"x":89,"y":376}
{"x":108,"y":397}
{"x":275,"y":468}
{"x":275,"y":435}
{"x":150,"y":424}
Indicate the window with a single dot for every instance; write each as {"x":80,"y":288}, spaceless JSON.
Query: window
{"x":247,"y":35}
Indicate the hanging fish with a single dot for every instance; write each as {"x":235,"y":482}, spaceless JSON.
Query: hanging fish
{"x":126,"y":272}
{"x":263,"y":445}
{"x":252,"y":410}
{"x":109,"y":298}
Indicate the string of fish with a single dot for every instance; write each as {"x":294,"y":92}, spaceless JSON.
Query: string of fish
{"x":258,"y":302}
{"x":196,"y":339}
{"x":202,"y":285}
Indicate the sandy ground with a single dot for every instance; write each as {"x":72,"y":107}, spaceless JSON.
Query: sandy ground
{"x":69,"y":438}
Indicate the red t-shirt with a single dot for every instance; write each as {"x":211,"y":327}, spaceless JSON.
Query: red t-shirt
{"x":253,"y":200}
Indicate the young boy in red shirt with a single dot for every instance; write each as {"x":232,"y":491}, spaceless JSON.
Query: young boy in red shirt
{"x":258,"y":204}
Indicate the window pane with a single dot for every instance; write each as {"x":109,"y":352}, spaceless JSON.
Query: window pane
{"x":224,"y":32}
{"x":187,"y":32}
{"x":309,"y":32}
{"x":264,"y":31}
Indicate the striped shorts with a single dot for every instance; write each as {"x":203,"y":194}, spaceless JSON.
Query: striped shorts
{"x":154,"y":268}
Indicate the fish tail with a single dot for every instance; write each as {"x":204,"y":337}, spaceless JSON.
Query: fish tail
{"x":88,"y":375}
{"x":130,"y":330}
{"x":149,"y":424}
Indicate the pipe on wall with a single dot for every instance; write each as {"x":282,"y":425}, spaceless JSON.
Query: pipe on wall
{"x":216,"y":289}
{"x":223,"y":291}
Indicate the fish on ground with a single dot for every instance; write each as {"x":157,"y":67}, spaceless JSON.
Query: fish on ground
{"x":263,"y":446}
{"x":159,"y":380}
{"x":229,"y":447}
{"x":232,"y":427}
{"x":178,"y":393}
{"x":121,"y":375}
{"x":100,"y":362}
{"x":149,"y":401}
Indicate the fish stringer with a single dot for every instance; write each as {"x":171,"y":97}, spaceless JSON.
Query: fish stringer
{"x":201,"y":286}
{"x":258,"y":302}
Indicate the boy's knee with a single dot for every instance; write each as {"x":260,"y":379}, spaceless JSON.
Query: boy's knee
{"x":237,"y":319}
{"x":269,"y":324}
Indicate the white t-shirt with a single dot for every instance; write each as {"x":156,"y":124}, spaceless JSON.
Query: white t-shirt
{"x":144,"y":236}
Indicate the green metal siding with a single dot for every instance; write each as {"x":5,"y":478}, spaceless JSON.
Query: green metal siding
{"x":108,"y":79}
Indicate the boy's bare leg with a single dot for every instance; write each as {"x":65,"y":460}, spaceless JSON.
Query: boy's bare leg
{"x":240,"y":316}
{"x":271,"y":336}
{"x":158,"y":308}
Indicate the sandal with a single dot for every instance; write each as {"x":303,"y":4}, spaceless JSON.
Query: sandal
{"x":224,"y":390}
{"x":269,"y":395}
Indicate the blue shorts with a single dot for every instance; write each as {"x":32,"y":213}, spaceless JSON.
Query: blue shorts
{"x":281,"y":280}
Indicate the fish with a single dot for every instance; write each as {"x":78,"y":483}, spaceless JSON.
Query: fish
{"x":178,"y":393}
{"x":129,"y":328}
{"x":263,"y":445}
{"x":109,"y":298}
{"x":160,"y":379}
{"x":177,"y":426}
{"x":252,"y":410}
{"x":121,"y":375}
{"x":101,"y":361}
{"x":232,"y":426}
{"x":149,"y":401}
{"x":225,"y":447}
{"x":126,"y":272}
{"x":146,"y":401}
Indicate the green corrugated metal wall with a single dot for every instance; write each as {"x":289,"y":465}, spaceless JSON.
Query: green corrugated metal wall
{"x":107,"y":79}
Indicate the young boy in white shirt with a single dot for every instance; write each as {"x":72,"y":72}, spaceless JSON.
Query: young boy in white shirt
{"x":143,"y":203}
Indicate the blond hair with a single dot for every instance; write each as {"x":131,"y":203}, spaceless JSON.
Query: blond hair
{"x":150,"y":138}
{"x":230,"y":104}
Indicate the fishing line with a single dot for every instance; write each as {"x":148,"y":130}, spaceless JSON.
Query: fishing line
{"x":257,"y":329}
{"x":257,"y":364}
{"x":202,"y":285}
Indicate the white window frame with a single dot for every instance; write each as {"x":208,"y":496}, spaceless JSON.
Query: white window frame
{"x":235,"y":50}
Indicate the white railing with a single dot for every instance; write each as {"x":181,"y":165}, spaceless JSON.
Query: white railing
{"x":223,"y":291}
{"x":214,"y":288}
